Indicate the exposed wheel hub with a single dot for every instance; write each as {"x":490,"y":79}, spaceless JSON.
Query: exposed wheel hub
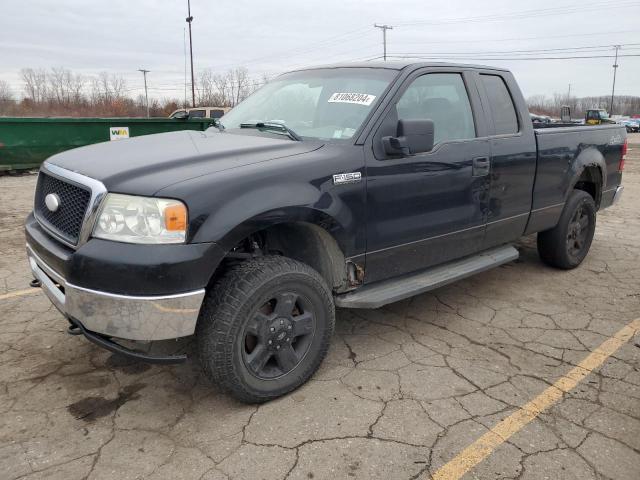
{"x":280,"y":333}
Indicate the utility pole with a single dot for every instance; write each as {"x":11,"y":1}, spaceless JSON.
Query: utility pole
{"x":384,"y":29}
{"x":193,"y":85}
{"x":184,"y":45}
{"x":613,"y":89}
{"x":569,"y":94}
{"x":146,"y":95}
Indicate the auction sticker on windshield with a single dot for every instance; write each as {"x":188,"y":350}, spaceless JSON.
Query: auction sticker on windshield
{"x":357,"y":98}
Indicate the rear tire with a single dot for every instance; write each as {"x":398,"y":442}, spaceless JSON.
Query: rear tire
{"x":566,"y":245}
{"x":265,"y":327}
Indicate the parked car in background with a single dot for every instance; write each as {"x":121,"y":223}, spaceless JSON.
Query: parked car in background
{"x":632,"y":125}
{"x":539,"y":118}
{"x":200,"y":112}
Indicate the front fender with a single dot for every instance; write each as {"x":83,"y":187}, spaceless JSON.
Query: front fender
{"x":293,"y":214}
{"x":227,"y":206}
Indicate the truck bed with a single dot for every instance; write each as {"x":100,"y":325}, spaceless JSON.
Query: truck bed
{"x":563,"y":152}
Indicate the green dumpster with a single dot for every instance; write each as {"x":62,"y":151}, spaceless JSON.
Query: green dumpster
{"x":26,"y":142}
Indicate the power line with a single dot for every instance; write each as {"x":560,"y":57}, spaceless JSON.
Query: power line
{"x":530,"y":13}
{"x":426,"y":57}
{"x":300,"y":51}
{"x":533,"y":51}
{"x":516,"y":39}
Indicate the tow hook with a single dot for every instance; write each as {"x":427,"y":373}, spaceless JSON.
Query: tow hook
{"x":74,"y":329}
{"x":35,"y":283}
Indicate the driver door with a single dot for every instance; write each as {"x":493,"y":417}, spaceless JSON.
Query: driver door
{"x":428,"y":208}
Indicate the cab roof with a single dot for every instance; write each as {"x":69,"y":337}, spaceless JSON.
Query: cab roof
{"x":399,"y":65}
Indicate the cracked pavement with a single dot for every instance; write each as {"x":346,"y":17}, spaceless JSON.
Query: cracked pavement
{"x":403,"y":390}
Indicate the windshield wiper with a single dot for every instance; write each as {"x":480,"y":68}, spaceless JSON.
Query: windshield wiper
{"x":273,"y":126}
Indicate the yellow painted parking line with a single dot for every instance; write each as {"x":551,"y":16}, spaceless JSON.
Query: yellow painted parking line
{"x":19,"y":293}
{"x":487,"y":443}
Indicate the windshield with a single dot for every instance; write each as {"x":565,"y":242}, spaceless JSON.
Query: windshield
{"x":323,"y":103}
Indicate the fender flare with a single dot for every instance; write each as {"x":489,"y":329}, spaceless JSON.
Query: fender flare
{"x":306,"y":235}
{"x":278,"y":216}
{"x":588,"y":158}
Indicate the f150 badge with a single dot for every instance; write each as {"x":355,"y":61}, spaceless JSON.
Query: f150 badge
{"x":616,"y":140}
{"x":345,"y":178}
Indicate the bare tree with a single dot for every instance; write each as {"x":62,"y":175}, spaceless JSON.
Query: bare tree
{"x":106,"y":88}
{"x":210,"y":90}
{"x":65,"y":88}
{"x":225,"y":90}
{"x":222,"y":84}
{"x":239,"y":79}
{"x":6,"y":94}
{"x":35,"y":84}
{"x":624,"y":105}
{"x":7,"y":103}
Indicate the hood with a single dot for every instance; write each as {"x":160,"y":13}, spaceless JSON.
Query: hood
{"x":143,"y":165}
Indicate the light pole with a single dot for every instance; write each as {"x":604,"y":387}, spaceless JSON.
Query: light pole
{"x":384,"y":29}
{"x":146,"y":95}
{"x":193,"y":86}
{"x":615,"y":68}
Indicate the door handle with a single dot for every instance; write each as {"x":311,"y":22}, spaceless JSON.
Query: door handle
{"x":481,"y":166}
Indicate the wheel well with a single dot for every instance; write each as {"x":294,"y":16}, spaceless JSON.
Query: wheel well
{"x":590,"y":181}
{"x":305,"y":242}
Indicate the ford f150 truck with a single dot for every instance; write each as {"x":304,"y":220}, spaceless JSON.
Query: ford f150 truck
{"x":348,"y":185}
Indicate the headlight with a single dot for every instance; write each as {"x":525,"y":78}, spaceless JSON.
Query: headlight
{"x":131,"y":219}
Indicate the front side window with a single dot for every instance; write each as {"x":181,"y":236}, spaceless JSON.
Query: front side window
{"x":442,"y":98}
{"x":501,"y":104}
{"x":196,"y":113}
{"x":321,"y":103}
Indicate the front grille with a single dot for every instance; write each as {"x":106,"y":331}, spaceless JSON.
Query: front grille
{"x":74,"y":200}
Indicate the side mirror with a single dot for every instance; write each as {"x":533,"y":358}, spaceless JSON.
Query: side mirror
{"x":413,"y":136}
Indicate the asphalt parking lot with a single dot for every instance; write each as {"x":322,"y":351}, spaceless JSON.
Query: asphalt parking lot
{"x":493,"y":376}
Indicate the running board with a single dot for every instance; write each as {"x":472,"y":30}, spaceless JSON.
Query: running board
{"x":389,"y":291}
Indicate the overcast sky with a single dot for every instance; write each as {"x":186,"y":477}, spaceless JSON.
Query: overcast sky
{"x":120,"y":36}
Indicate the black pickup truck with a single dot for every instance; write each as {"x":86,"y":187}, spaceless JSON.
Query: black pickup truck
{"x":348,"y":185}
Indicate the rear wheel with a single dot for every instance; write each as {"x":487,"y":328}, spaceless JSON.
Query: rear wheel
{"x":265,"y":328}
{"x":567,"y":244}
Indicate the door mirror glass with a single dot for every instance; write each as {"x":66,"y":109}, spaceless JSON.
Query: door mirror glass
{"x":412,"y":137}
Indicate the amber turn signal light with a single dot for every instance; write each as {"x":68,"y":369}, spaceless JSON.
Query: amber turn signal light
{"x":175,"y":218}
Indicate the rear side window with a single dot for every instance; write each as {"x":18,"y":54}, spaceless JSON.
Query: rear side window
{"x":501,"y":103}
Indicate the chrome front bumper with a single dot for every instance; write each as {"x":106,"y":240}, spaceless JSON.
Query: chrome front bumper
{"x":120,"y":316}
